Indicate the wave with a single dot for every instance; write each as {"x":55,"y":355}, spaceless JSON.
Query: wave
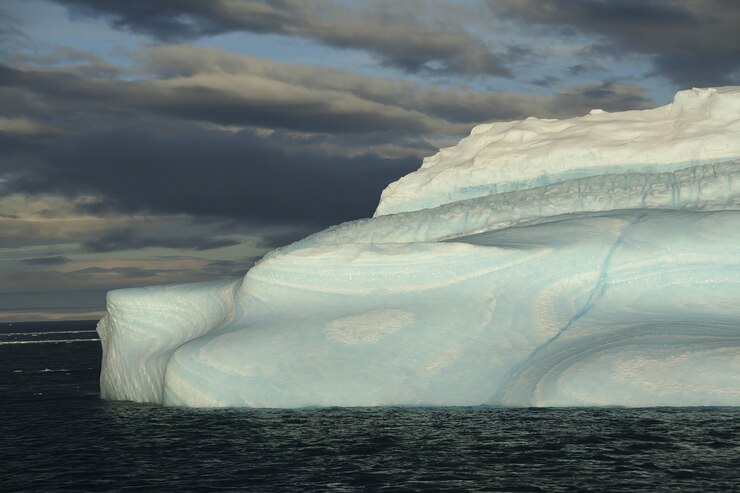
{"x":49,"y":341}
{"x":47,"y":332}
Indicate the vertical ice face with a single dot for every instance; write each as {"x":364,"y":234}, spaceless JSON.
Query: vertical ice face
{"x":590,"y":261}
{"x":145,"y":326}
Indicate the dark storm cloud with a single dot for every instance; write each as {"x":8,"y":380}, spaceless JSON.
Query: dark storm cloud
{"x":209,"y":173}
{"x":246,"y":101}
{"x":546,"y":81}
{"x":229,"y":89}
{"x":10,"y":35}
{"x":124,"y":272}
{"x":397,"y":33}
{"x":583,"y":68}
{"x":111,"y":149}
{"x":55,"y":260}
{"x":140,"y":145}
{"x":693,"y":42}
{"x":125,"y":239}
{"x":274,"y":240}
{"x":229,"y":267}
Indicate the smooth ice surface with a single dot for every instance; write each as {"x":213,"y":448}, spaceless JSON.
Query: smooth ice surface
{"x":615,"y":286}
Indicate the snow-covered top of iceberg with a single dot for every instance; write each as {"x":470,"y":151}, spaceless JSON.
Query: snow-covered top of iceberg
{"x":700,"y":126}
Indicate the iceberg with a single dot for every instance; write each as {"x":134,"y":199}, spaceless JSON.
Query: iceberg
{"x":593,"y":261}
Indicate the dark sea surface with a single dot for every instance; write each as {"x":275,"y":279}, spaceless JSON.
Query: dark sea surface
{"x":57,"y":435}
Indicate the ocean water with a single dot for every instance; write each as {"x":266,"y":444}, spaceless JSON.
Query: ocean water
{"x":57,"y":435}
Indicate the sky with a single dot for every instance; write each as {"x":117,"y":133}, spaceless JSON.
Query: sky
{"x":166,"y":141}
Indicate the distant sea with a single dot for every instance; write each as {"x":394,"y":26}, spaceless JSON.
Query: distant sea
{"x":57,"y":435}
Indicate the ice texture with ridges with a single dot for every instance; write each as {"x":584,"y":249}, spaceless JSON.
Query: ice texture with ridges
{"x":699,"y":126}
{"x":145,"y":326}
{"x":617,"y":287}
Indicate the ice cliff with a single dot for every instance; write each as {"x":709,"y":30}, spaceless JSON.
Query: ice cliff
{"x":579,"y":262}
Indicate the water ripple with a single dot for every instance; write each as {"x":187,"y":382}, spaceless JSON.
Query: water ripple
{"x":59,"y":436}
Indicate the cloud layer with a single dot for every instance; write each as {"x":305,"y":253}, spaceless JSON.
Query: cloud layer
{"x":692,"y":42}
{"x":163,"y":157}
{"x":410,"y":35}
{"x":205,"y":132}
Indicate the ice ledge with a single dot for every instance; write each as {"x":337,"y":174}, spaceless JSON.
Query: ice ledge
{"x":709,"y":187}
{"x":700,"y":126}
{"x":144,"y":327}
